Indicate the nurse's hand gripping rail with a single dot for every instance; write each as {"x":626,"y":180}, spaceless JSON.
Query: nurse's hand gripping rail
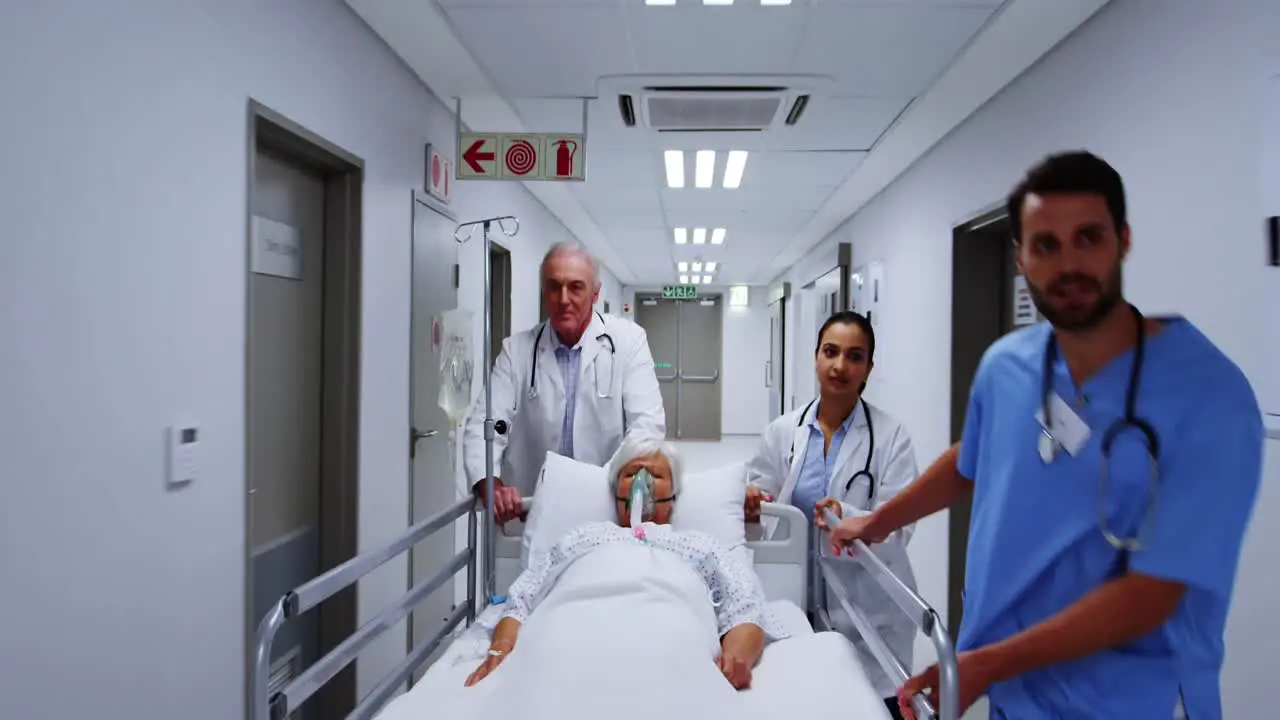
{"x":926,"y":619}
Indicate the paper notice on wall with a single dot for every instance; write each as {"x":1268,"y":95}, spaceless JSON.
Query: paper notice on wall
{"x":1024,"y":309}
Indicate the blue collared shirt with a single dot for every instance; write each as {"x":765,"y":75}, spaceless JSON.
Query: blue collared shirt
{"x":815,"y":472}
{"x":569,"y":361}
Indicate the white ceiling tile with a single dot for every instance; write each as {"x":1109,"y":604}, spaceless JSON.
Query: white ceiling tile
{"x":548,"y":50}
{"x":891,"y":49}
{"x":805,"y":169}
{"x":848,"y":122}
{"x":743,"y":39}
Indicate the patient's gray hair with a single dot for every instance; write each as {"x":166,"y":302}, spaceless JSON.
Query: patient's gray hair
{"x":571,"y":248}
{"x":633,"y":447}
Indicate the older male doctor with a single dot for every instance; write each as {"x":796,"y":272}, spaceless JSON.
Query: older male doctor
{"x":575,"y":384}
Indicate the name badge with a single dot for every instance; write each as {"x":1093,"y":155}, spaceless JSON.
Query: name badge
{"x":1068,"y":429}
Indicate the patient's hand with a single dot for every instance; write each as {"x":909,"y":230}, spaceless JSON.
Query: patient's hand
{"x":491,"y":663}
{"x":739,"y":652}
{"x":504,"y":641}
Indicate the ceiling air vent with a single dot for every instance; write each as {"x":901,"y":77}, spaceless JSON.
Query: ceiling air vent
{"x":713,"y":108}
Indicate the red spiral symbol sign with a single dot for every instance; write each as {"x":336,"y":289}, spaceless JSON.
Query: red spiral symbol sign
{"x":521,"y":157}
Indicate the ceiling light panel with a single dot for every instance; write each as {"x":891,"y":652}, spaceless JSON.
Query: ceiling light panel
{"x":697,"y":267}
{"x":704,"y":168}
{"x":674,"y":162}
{"x":694,"y":280}
{"x":717,"y":2}
{"x":681,"y":236}
{"x":684,"y":279}
{"x":733,"y":168}
{"x":699,"y":236}
{"x":717,"y":236}
{"x":706,"y":279}
{"x":682,"y":266}
{"x":762,"y":2}
{"x":710,"y":266}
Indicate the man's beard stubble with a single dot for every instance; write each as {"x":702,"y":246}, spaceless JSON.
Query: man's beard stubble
{"x":1079,"y":319}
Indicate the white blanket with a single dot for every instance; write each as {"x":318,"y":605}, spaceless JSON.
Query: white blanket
{"x":627,"y":633}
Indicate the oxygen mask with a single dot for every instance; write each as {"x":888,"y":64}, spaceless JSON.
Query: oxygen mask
{"x":640,"y":502}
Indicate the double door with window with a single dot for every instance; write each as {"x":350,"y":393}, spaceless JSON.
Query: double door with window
{"x":686,"y":339}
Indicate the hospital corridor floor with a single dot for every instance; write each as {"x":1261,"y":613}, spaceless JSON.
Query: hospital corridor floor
{"x":704,"y":455}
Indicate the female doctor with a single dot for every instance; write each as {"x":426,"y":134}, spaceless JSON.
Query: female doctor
{"x":840,"y":452}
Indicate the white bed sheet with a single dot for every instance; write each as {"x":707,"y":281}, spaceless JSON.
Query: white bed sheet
{"x":803,"y":674}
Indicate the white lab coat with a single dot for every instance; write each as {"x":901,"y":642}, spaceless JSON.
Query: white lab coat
{"x":894,"y":467}
{"x":599,"y":424}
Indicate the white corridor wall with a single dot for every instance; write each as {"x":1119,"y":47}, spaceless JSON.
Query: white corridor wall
{"x":122,"y":306}
{"x":1172,"y":94}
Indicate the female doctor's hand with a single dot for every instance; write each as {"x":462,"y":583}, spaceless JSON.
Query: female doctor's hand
{"x":755,"y":497}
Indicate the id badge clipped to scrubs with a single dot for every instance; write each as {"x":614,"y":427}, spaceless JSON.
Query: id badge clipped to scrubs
{"x":1065,"y":431}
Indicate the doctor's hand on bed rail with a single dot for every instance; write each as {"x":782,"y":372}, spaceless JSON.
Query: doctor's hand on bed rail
{"x":507,"y":502}
{"x":849,"y":529}
{"x":755,"y":497}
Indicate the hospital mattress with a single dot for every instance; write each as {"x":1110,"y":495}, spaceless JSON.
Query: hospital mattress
{"x":802,"y":674}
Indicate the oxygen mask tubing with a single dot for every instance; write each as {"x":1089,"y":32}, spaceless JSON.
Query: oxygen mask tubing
{"x":640,"y":503}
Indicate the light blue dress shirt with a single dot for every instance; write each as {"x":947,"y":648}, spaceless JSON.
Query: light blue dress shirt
{"x":570,"y":362}
{"x":815,"y":473}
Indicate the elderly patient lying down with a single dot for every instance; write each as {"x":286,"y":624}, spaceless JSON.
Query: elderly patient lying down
{"x":615,"y":615}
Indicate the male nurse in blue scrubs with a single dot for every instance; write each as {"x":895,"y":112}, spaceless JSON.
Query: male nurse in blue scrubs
{"x":1059,"y":620}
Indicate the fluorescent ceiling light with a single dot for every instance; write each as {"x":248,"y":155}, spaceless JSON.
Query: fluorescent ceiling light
{"x":717,"y":2}
{"x":717,"y":236}
{"x":706,"y":279}
{"x":733,"y":168}
{"x":699,"y":236}
{"x":682,"y":236}
{"x":684,"y":279}
{"x":682,"y":266}
{"x":674,"y":160}
{"x":711,"y":266}
{"x":762,"y":2}
{"x":693,"y":280}
{"x":697,"y":267}
{"x":739,"y":296}
{"x":673,"y":2}
{"x":705,"y":168}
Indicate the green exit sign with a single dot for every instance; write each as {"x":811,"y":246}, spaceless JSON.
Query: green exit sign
{"x":679,"y":292}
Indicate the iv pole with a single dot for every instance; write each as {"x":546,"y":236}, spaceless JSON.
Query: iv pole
{"x":492,"y":427}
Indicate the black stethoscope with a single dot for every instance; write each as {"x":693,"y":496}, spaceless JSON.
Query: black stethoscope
{"x":871,"y":450}
{"x":1049,"y":446}
{"x":601,"y":338}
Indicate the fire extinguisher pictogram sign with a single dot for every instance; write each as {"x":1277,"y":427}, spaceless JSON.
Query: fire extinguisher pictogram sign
{"x":564,"y":157}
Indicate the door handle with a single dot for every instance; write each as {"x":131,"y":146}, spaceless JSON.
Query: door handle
{"x":700,"y":378}
{"x":415,"y":435}
{"x":668,"y":378}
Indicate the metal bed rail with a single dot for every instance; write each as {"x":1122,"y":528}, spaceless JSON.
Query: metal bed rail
{"x":924,"y":617}
{"x":278,"y":705}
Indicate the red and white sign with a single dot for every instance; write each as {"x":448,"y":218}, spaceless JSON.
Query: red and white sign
{"x":521,"y":157}
{"x":439,"y":175}
{"x":478,"y":156}
{"x":564,"y":158}
{"x":525,"y":157}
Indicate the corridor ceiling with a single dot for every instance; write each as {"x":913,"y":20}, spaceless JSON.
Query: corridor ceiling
{"x":870,"y":86}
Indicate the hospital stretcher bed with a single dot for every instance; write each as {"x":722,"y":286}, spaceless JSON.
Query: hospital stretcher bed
{"x":792,"y":582}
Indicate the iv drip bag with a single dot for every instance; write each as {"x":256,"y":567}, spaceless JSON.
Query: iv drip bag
{"x":456,"y":364}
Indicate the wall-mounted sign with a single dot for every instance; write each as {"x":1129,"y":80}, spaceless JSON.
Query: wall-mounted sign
{"x":529,"y":156}
{"x":277,"y":249}
{"x":679,"y":292}
{"x":439,"y":179}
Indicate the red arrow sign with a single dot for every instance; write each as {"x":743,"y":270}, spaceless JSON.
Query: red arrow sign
{"x":474,"y":157}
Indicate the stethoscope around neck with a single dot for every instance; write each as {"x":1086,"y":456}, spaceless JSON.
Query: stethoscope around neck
{"x":1049,"y":447}
{"x":602,"y":338}
{"x":871,"y":450}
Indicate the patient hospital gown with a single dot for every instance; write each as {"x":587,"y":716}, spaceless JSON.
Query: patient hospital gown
{"x":731,"y":584}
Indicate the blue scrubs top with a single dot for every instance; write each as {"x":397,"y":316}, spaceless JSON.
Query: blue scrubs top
{"x":1034,"y":543}
{"x":815,"y":472}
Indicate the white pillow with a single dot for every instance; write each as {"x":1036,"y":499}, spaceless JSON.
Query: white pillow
{"x":569,"y":493}
{"x":711,"y":501}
